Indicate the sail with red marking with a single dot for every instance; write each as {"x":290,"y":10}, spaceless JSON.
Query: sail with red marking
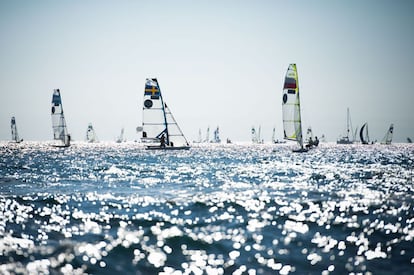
{"x":292,"y":124}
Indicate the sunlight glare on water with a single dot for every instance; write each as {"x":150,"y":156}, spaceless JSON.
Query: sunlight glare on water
{"x":215,"y":209}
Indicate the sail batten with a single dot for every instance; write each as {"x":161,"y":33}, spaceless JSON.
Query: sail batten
{"x":292,"y":123}
{"x":160,"y":129}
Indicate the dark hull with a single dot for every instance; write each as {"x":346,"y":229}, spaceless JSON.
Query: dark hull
{"x":167,"y":148}
{"x":300,"y":150}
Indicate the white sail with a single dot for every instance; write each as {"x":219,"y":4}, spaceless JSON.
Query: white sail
{"x":15,"y":135}
{"x":207,"y":135}
{"x":120,"y":138}
{"x":159,"y":125}
{"x":388,"y":136}
{"x":309,"y":135}
{"x":90,"y":134}
{"x":60,"y":131}
{"x":292,"y":124}
{"x":254,"y":135}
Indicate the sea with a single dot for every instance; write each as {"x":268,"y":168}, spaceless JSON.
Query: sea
{"x":108,"y":208}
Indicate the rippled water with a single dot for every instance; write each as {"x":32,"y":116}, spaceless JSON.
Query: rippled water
{"x":228,"y":209}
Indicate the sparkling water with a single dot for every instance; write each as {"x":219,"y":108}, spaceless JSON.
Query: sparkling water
{"x":109,"y":208}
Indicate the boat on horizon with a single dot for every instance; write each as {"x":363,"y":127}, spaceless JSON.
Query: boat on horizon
{"x":90,"y":134}
{"x":60,"y":131}
{"x":216,"y":136}
{"x":292,"y":122}
{"x":363,"y":134}
{"x":388,"y":135}
{"x":346,"y":138}
{"x":14,"y":133}
{"x":121,"y":137}
{"x":160,"y":129}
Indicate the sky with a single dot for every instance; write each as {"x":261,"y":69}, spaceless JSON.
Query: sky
{"x":218,"y":63}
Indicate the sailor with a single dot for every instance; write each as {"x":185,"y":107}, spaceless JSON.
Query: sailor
{"x":310,"y":143}
{"x":316,"y":142}
{"x":162,"y":140}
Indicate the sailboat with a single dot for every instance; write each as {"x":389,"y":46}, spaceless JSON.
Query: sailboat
{"x":15,"y":135}
{"x":90,"y":134}
{"x":207,"y":140}
{"x":217,"y":135}
{"x":120,"y":138}
{"x":388,"y":136}
{"x":160,"y":129}
{"x":292,"y":123}
{"x":346,"y":139}
{"x":274,"y":140}
{"x":363,"y":134}
{"x":60,"y":131}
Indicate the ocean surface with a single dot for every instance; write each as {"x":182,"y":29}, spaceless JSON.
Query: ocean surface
{"x":109,"y":208}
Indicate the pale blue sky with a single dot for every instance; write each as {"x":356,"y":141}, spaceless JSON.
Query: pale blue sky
{"x":217,"y":62}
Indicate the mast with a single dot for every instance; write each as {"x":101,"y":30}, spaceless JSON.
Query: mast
{"x":163,"y":111}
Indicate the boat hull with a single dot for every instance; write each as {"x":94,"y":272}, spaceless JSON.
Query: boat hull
{"x":300,"y":150}
{"x":167,"y":148}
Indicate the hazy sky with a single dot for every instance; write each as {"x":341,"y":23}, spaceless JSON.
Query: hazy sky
{"x":217,"y":62}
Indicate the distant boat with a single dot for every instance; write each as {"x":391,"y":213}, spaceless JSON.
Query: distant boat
{"x":311,"y":141}
{"x":60,"y":131}
{"x":217,"y":135}
{"x":274,"y":140}
{"x":256,"y":135}
{"x":388,"y":136}
{"x":346,"y":139}
{"x":200,"y":139}
{"x":120,"y":138}
{"x":15,"y":135}
{"x":160,"y":129}
{"x":292,"y":122}
{"x":90,"y":134}
{"x":207,"y":140}
{"x":363,"y":134}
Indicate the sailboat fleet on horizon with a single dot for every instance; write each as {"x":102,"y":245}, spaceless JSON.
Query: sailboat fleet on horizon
{"x":161,"y":131}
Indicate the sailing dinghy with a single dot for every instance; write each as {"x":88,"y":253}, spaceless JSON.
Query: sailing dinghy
{"x":388,"y":136}
{"x":15,"y":135}
{"x":160,"y":129}
{"x":292,"y":123}
{"x":363,"y":134}
{"x":90,"y":134}
{"x":60,"y":131}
